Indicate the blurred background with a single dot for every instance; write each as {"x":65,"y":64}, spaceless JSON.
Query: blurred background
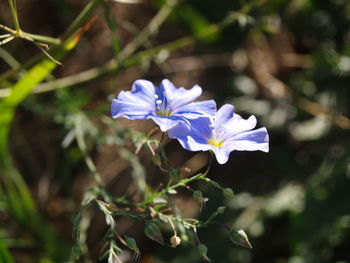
{"x":287,"y":62}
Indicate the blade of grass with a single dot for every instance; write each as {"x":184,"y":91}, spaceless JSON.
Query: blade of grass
{"x":20,"y":202}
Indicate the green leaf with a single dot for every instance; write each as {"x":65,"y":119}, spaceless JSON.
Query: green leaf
{"x":228,"y":193}
{"x":213,"y":183}
{"x":203,"y":250}
{"x":156,"y":159}
{"x":153,"y":232}
{"x":197,"y":195}
{"x":174,"y":174}
{"x":239,"y":237}
{"x":172,"y":191}
{"x":5,"y":255}
{"x":76,"y":252}
{"x":219,"y":210}
{"x":131,"y":243}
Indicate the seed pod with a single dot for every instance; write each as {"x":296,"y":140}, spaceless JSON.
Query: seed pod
{"x":175,"y":241}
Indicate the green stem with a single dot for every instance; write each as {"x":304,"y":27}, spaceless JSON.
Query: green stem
{"x":13,"y":10}
{"x":5,"y":28}
{"x":210,"y":163}
{"x":44,"y":39}
{"x":82,"y":18}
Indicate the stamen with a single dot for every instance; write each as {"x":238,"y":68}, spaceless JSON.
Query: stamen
{"x":159,"y":102}
{"x":155,"y":96}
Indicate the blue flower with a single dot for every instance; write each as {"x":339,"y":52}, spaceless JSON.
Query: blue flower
{"x":167,"y":105}
{"x":222,"y":133}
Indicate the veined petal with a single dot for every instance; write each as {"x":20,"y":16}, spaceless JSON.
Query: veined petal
{"x":177,"y":97}
{"x":222,"y":117}
{"x":238,"y":125}
{"x":130,"y":110}
{"x":197,"y":109}
{"x":144,"y":90}
{"x":255,"y":140}
{"x":129,"y":97}
{"x":191,"y":140}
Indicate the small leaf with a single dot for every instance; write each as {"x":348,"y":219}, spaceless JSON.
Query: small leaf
{"x":202,"y":249}
{"x":89,"y":197}
{"x":76,"y":252}
{"x":156,"y":159}
{"x":228,"y":193}
{"x":174,"y":174}
{"x":159,"y":200}
{"x":213,"y":183}
{"x":197,"y":195}
{"x":220,"y":210}
{"x":153,"y":232}
{"x":131,"y":243}
{"x":239,"y":237}
{"x":172,"y":191}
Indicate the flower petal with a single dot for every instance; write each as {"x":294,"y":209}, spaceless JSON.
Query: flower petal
{"x":130,"y":110}
{"x":221,"y":154}
{"x":178,"y":97}
{"x":222,"y":117}
{"x":238,"y":125}
{"x":166,"y":122}
{"x":144,"y":90}
{"x":193,"y":137}
{"x":255,"y":140}
{"x":197,"y":109}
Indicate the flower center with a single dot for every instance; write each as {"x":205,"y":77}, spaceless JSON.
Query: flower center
{"x":215,"y":139}
{"x":215,"y":142}
{"x":162,"y":108}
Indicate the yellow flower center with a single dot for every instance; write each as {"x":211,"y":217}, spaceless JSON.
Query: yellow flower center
{"x":215,"y":142}
{"x":163,"y":113}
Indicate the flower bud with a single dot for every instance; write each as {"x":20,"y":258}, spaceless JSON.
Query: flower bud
{"x":175,"y":241}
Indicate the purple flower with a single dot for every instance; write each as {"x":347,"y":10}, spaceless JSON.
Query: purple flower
{"x":222,"y":133}
{"x":167,"y":105}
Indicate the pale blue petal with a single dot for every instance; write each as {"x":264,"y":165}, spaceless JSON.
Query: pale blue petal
{"x":144,"y":90}
{"x":135,"y":98}
{"x":130,"y":110}
{"x":166,"y":122}
{"x":221,"y":154}
{"x":178,"y":97}
{"x":222,"y":117}
{"x":188,"y":139}
{"x":195,"y":136}
{"x":238,"y":125}
{"x":255,"y":140}
{"x":197,"y":109}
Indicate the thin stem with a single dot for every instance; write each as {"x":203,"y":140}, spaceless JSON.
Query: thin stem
{"x":83,"y":148}
{"x":13,"y":10}
{"x":210,"y":163}
{"x":82,"y":18}
{"x":5,"y":28}
{"x":5,"y":36}
{"x":45,"y":39}
{"x":162,"y":137}
{"x":6,"y":40}
{"x":153,"y":131}
{"x":149,"y":30}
